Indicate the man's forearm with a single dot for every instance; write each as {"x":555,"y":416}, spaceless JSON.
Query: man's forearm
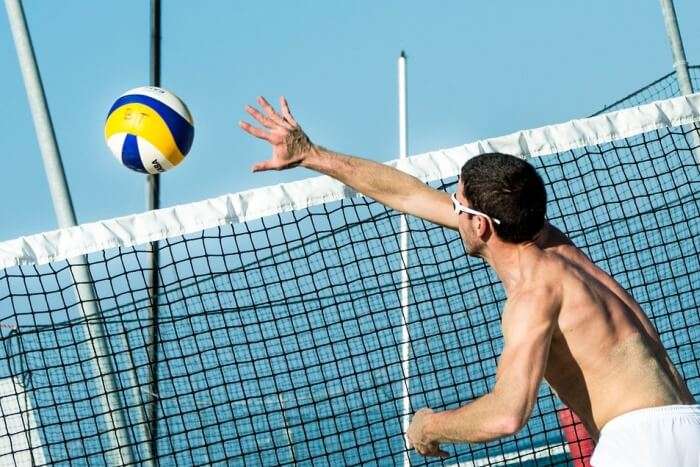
{"x":385,"y":184}
{"x":477,"y":422}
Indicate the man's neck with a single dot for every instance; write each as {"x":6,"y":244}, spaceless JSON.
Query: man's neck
{"x":510,"y":261}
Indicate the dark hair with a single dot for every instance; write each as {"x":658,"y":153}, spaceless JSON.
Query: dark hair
{"x":509,"y":189}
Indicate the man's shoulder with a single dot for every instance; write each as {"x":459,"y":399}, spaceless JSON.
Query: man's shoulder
{"x":536,"y":296}
{"x":546,"y":275}
{"x":559,"y":268}
{"x":531,"y":307}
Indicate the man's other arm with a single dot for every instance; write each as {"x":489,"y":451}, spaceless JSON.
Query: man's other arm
{"x":398,"y":190}
{"x":528,"y":323}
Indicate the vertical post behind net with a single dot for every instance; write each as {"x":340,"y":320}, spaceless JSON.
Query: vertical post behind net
{"x":153,"y":202}
{"x":680,"y":64}
{"x":109,"y":394}
{"x":405,"y":337}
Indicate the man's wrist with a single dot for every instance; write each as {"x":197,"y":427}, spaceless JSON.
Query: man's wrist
{"x":430,"y":427}
{"x":312,"y":156}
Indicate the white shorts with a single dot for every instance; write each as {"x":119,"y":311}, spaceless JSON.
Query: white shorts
{"x":658,"y":436}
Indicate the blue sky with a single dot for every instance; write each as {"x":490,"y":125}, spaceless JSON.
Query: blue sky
{"x":476,"y":70}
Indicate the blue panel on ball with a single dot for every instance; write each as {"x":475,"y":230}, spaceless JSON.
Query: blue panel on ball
{"x":182,"y":131}
{"x":130,"y":154}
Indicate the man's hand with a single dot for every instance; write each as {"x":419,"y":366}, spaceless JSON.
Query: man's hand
{"x":387,"y":185}
{"x":418,"y":439}
{"x":289,"y":143}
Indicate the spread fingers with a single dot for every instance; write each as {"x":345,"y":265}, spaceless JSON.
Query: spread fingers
{"x":255,"y":131}
{"x":253,"y":112}
{"x":270,"y":111}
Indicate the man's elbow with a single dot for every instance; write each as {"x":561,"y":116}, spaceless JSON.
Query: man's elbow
{"x":496,"y":427}
{"x":510,"y":424}
{"x":513,"y":418}
{"x":513,"y":414}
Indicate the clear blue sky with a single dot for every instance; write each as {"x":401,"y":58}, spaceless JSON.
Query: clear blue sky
{"x":476,"y":70}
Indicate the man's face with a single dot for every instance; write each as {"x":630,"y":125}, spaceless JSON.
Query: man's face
{"x":468,"y":225}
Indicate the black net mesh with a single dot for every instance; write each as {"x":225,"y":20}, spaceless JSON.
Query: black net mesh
{"x":279,"y":341}
{"x":663,"y":88}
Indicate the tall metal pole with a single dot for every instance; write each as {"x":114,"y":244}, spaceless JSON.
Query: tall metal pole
{"x":153,"y":181}
{"x":405,"y":336}
{"x":674,"y":37}
{"x":680,"y":64}
{"x":153,"y":202}
{"x":63,"y":207}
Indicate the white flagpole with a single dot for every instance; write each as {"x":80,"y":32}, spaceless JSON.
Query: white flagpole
{"x":405,"y":337}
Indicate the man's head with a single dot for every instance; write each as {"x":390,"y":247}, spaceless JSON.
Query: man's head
{"x":505,"y":188}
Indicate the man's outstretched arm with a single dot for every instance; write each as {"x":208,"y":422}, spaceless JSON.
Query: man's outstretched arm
{"x":528,"y":322}
{"x":291,"y":147}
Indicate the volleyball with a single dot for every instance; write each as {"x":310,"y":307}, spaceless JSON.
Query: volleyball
{"x":149,"y":130}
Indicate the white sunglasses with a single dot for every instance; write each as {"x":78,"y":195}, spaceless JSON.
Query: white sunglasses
{"x":459,"y":208}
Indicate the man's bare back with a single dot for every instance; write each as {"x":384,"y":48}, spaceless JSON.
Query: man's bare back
{"x":605,"y":357}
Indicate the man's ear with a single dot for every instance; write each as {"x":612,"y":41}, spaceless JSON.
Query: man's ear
{"x":483,"y":228}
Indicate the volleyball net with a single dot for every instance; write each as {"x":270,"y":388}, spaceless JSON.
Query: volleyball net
{"x":665,"y":87}
{"x":281,"y":333}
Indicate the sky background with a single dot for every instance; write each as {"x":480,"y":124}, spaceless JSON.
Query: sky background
{"x":476,"y":70}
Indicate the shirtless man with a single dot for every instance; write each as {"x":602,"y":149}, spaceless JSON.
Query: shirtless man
{"x":565,"y":319}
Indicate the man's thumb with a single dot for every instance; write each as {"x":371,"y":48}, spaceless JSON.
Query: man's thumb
{"x":262,"y":166}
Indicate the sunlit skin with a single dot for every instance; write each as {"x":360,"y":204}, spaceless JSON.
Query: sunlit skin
{"x":565,"y":320}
